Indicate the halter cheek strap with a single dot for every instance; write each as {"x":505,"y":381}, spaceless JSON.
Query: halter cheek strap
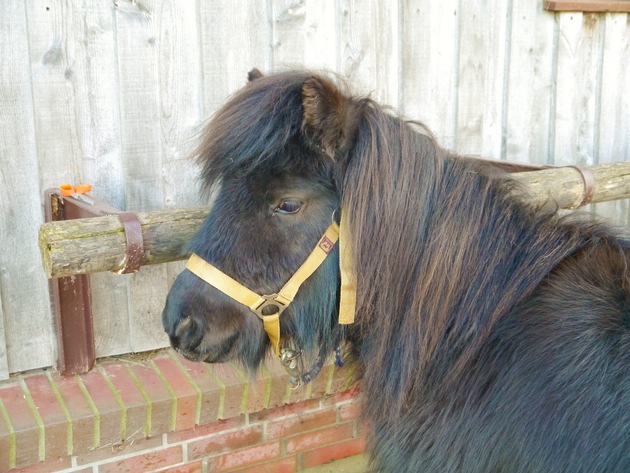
{"x":275,"y":304}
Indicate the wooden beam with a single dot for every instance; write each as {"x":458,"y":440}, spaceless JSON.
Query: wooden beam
{"x":590,"y":6}
{"x":91,"y":245}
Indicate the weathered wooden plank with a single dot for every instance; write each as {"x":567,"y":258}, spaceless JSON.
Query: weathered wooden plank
{"x":579,"y":37}
{"x":321,"y":29}
{"x":137,"y":27}
{"x":90,"y":46}
{"x":97,"y":244}
{"x":370,"y":48}
{"x":27,"y":316}
{"x":614,"y":112}
{"x":287,"y":32}
{"x":235,"y":37}
{"x":180,"y":88}
{"x":484,"y":42}
{"x":304,"y":34}
{"x":430,"y":42}
{"x":529,"y":88}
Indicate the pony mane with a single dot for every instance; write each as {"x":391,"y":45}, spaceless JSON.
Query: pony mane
{"x":442,"y":250}
{"x":254,"y":129}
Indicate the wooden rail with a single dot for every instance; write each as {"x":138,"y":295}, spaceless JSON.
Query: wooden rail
{"x":90,"y":245}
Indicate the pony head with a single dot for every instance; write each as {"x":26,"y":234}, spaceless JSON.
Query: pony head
{"x":274,"y":158}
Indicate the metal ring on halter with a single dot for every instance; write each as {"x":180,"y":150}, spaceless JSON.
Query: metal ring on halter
{"x":336,"y":211}
{"x":272,"y":302}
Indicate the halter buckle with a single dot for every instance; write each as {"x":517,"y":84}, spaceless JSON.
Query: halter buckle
{"x":271,"y":300}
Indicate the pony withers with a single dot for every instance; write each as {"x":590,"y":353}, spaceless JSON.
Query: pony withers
{"x":490,"y":335}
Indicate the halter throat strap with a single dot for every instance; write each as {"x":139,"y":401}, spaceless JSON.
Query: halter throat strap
{"x":267,"y":307}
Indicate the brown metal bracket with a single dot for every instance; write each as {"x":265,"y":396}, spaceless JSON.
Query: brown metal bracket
{"x":70,"y":296}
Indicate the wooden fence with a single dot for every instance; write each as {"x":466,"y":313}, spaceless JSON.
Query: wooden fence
{"x":113,"y":92}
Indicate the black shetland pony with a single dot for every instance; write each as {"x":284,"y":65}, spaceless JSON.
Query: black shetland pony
{"x":491,"y":336}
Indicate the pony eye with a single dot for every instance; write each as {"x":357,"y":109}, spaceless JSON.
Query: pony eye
{"x":288,"y":206}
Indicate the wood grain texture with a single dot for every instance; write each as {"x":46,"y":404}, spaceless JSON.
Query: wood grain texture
{"x":614,"y":110}
{"x":483,"y":41}
{"x":577,"y":76}
{"x":370,"y":48}
{"x":91,"y":245}
{"x":27,"y":317}
{"x":529,"y":84}
{"x":430,"y":59}
{"x":234,"y":38}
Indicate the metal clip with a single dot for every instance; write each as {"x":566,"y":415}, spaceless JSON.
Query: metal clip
{"x":289,"y":360}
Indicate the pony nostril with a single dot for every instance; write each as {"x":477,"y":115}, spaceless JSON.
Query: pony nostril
{"x":184,"y":326}
{"x":187,"y":333}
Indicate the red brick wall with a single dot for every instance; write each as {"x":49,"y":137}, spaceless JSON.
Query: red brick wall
{"x":166,"y":414}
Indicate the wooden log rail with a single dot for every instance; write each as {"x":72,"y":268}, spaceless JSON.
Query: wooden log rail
{"x":90,"y":245}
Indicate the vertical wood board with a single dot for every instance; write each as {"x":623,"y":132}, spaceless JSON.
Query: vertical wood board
{"x":24,"y":289}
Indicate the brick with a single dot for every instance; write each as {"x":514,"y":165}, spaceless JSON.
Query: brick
{"x":6,"y":442}
{"x":332,"y":452}
{"x":24,"y":426}
{"x":111,"y":416}
{"x":187,"y":397}
{"x":342,"y":396}
{"x":241,"y":458}
{"x":279,"y":391}
{"x":190,"y":467}
{"x":161,"y":401}
{"x":53,"y":417}
{"x":83,"y":422}
{"x":145,"y":462}
{"x":343,"y":378}
{"x":135,"y":405}
{"x":301,"y":423}
{"x":363,"y":428}
{"x":283,"y":465}
{"x":223,"y":442}
{"x":117,"y":449}
{"x":317,"y":438}
{"x":349,"y":411}
{"x":205,"y":430}
{"x":259,"y":394}
{"x":234,"y":389}
{"x":211,"y":391}
{"x":320,"y":385}
{"x":301,"y":394}
{"x":283,"y":411}
{"x":46,"y":466}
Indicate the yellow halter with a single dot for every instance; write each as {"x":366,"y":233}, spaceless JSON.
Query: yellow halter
{"x":278,"y":302}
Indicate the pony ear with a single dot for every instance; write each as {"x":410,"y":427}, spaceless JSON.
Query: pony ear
{"x":254,"y":74}
{"x":329,"y":116}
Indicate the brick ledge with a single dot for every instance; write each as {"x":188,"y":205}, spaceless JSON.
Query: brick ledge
{"x":124,"y":406}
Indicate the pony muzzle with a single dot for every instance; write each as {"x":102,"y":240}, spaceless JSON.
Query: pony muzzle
{"x":269,"y":307}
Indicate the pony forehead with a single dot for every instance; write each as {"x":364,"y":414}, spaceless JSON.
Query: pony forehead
{"x":258,"y":129}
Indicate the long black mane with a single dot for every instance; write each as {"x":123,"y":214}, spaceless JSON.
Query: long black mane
{"x":460,"y":282}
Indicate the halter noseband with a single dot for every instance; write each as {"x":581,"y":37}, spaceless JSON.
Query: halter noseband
{"x":278,"y":302}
